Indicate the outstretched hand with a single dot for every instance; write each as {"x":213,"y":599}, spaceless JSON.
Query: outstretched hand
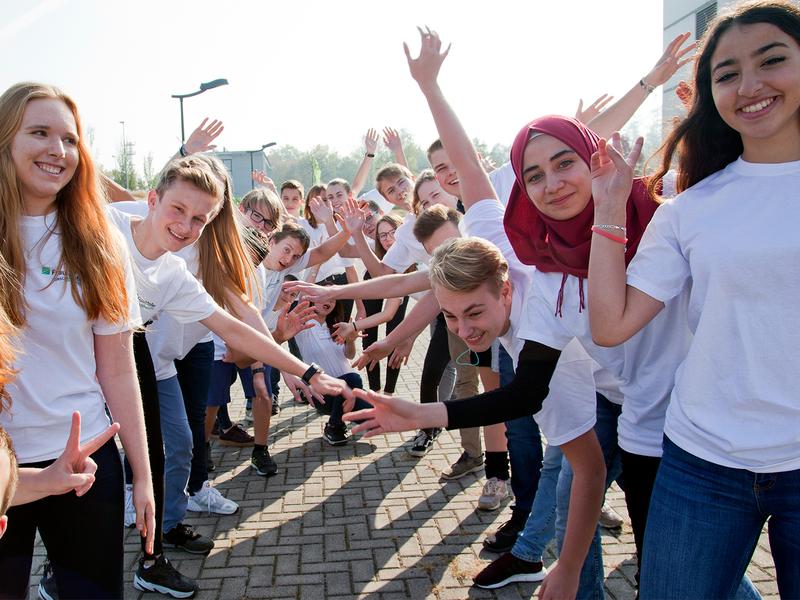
{"x":321,"y":209}
{"x":292,"y":321}
{"x":371,"y":141}
{"x":612,"y":174}
{"x":425,"y":68}
{"x":388,"y":414}
{"x":200,"y":139}
{"x":672,"y":60}
{"x":261,"y":178}
{"x":584,"y":115}
{"x":312,"y":291}
{"x":391,"y":139}
{"x":351,"y":217}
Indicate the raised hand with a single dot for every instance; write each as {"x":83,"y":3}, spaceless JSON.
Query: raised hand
{"x":388,"y":414}
{"x":584,"y":115}
{"x":321,"y":209}
{"x":685,"y":94}
{"x":612,"y":175}
{"x":344,"y":332}
{"x":260,"y":178}
{"x":351,"y":217}
{"x":425,"y":68}
{"x":312,"y":291}
{"x":292,"y":321}
{"x":391,"y":139}
{"x":371,"y":141}
{"x":200,"y":139}
{"x":401,"y":353}
{"x":672,"y":60}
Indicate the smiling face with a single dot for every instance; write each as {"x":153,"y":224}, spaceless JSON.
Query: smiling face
{"x":446,"y":174}
{"x":755,"y":82}
{"x":430,"y":193}
{"x":557,"y":181}
{"x":478,"y":317}
{"x":180,"y":214}
{"x":45,"y":150}
{"x":292,"y":201}
{"x":283,"y":254}
{"x":337,"y":196}
{"x":396,"y":190}
{"x":386,"y":233}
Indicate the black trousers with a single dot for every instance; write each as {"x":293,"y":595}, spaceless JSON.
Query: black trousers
{"x":152,"y":424}
{"x":83,"y":536}
{"x":436,"y":360}
{"x":640,"y":477}
{"x":371,"y":336}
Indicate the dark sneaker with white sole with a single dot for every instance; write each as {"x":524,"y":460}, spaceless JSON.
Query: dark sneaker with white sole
{"x":423,"y":442}
{"x":335,"y":435}
{"x":503,"y":539}
{"x":163,"y":578}
{"x":262,"y":463}
{"x":47,"y":584}
{"x":509,"y":569}
{"x":184,"y":537}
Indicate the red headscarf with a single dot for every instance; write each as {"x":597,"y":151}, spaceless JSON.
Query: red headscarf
{"x":563,"y":246}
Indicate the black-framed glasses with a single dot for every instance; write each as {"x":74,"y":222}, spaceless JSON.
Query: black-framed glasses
{"x":261,"y":220}
{"x":386,"y":235}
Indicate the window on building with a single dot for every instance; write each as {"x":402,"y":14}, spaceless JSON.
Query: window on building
{"x":704,"y":15}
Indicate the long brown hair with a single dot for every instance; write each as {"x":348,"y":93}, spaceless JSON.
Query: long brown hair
{"x":8,"y":347}
{"x":703,"y":142}
{"x":90,"y":252}
{"x":224,"y":262}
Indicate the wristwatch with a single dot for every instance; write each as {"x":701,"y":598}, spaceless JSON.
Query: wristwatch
{"x":312,"y":370}
{"x":259,"y":370}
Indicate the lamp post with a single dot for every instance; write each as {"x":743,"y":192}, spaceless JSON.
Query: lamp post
{"x":209,"y":85}
{"x":252,"y":167}
{"x":125,"y":157}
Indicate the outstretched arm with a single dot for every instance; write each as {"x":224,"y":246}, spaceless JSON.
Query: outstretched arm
{"x":387,"y":286}
{"x":616,"y":310}
{"x":473,"y":180}
{"x":618,"y":114}
{"x":360,"y":178}
{"x":391,"y":138}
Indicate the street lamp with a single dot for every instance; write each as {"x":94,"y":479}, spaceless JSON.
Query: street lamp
{"x":125,"y":157}
{"x":209,"y":85}
{"x":252,"y":167}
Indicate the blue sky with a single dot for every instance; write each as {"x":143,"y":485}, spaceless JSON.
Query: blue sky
{"x":313,"y":72}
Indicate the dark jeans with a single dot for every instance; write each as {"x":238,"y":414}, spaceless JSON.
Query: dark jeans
{"x":194,"y":377}
{"x":152,"y":425}
{"x":371,"y":336}
{"x":436,"y":359}
{"x":83,"y":536}
{"x":334,"y":405}
{"x":524,"y":450}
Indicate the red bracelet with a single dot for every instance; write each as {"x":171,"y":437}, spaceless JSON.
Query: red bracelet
{"x":610,"y":236}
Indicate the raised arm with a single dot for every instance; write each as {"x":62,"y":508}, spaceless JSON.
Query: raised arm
{"x":616,"y":310}
{"x":360,"y":178}
{"x":332,"y":245}
{"x":351,"y":330}
{"x":618,"y":114}
{"x":473,"y":180}
{"x":114,"y":191}
{"x":391,"y":138}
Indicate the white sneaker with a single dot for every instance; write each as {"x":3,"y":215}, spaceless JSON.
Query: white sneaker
{"x":208,"y":499}
{"x":130,"y":510}
{"x":494,"y":492}
{"x":609,"y":518}
{"x":248,"y":415}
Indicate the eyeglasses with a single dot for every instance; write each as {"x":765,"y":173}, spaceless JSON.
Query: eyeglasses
{"x":262,"y":221}
{"x":386,"y":235}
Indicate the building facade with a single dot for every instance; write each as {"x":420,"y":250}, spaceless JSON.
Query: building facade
{"x":240,"y":164}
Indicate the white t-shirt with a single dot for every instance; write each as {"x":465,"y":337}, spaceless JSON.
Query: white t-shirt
{"x":335,"y":265}
{"x":56,"y":367}
{"x":502,"y":181}
{"x":570,"y":409}
{"x":406,"y":249}
{"x":378,"y":198}
{"x":168,"y":338}
{"x":316,"y":345}
{"x":732,"y":242}
{"x":163,"y":284}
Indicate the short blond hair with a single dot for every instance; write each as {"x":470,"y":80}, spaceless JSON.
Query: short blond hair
{"x":432,"y":219}
{"x":391,"y":171}
{"x":464,"y":264}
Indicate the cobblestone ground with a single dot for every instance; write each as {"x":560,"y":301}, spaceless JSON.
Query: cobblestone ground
{"x":363,"y":520}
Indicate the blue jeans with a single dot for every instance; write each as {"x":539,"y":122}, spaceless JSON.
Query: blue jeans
{"x":704,"y":523}
{"x":592,"y":577}
{"x":177,"y":451}
{"x":524,"y":449}
{"x":541,"y":524}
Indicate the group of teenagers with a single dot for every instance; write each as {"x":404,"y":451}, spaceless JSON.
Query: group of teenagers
{"x":642,"y":327}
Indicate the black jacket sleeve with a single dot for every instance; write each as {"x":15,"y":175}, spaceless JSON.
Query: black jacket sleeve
{"x":523,"y":396}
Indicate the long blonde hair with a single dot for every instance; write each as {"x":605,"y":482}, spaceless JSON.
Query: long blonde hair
{"x":224,"y":262}
{"x":8,"y":347}
{"x":90,"y":252}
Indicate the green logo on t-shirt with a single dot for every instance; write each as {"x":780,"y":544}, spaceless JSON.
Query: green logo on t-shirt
{"x":46,"y":271}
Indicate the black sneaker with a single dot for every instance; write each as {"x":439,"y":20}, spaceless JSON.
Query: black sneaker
{"x":47,"y":584}
{"x":276,"y":408}
{"x":423,"y":442}
{"x":503,"y":539}
{"x":209,"y":462}
{"x":335,"y":435}
{"x":509,"y":569}
{"x":184,"y":537}
{"x":262,"y":463}
{"x":163,"y":578}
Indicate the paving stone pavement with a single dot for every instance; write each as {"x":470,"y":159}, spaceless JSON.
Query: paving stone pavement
{"x":364,"y":520}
